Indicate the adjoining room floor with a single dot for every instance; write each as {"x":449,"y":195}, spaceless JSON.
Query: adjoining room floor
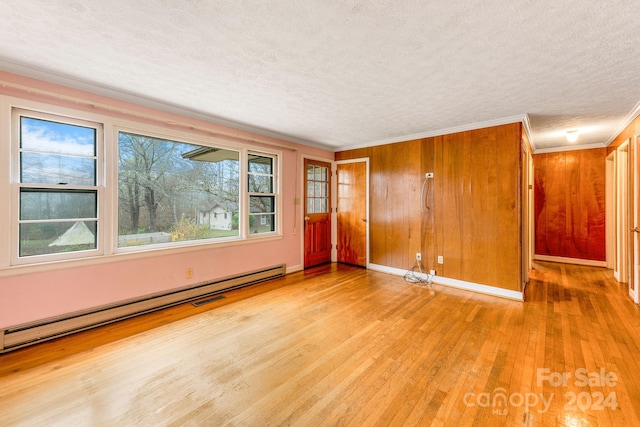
{"x":339,"y":345}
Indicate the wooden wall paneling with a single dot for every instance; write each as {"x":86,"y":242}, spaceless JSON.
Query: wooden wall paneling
{"x":480,"y":214}
{"x":473,"y":217}
{"x":555,"y":205}
{"x":508,"y":249}
{"x":574,"y":205}
{"x":570,"y":204}
{"x":439,"y":184}
{"x":558,"y":185}
{"x":414,"y":178}
{"x":539,"y":204}
{"x":470,"y":186}
{"x":391,"y":203}
{"x":554,"y":213}
{"x":491,"y":224}
{"x":401,"y":166}
{"x":395,"y":183}
{"x":596,"y":215}
{"x":387,"y":204}
{"x":452,"y":205}
{"x":357,"y":153}
{"x":428,"y":225}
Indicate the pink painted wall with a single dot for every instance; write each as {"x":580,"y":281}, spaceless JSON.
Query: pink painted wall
{"x":39,"y":295}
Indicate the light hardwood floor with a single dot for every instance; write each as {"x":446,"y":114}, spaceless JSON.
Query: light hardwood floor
{"x":339,"y":345}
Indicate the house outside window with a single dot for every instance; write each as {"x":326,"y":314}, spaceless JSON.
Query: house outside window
{"x":171,"y":191}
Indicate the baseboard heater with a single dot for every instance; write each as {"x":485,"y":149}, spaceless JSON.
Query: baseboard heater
{"x":47,"y":329}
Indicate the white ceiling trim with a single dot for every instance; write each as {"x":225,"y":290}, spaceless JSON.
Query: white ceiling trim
{"x":526,"y":124}
{"x":635,"y":112}
{"x":144,"y":102}
{"x":439,"y":132}
{"x":32,"y":72}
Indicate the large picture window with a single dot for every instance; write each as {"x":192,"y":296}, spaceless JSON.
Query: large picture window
{"x":57,"y":185}
{"x":170,"y":191}
{"x":77,"y":192}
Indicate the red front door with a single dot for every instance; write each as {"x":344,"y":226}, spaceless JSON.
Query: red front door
{"x":317,"y":213}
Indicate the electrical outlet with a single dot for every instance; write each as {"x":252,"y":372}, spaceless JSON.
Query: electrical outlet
{"x":432,"y":272}
{"x":418,"y":256}
{"x":188,"y":273}
{"x":440,"y":259}
{"x":428,"y":175}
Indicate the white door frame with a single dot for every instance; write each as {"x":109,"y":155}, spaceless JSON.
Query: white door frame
{"x":621,"y":272}
{"x":610,"y":210}
{"x":633,"y":287}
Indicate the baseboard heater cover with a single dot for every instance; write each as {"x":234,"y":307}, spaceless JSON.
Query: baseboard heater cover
{"x":48,"y":329}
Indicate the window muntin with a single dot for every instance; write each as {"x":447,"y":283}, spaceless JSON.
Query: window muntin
{"x":45,"y":204}
{"x":262,"y":195}
{"x":317,"y":189}
{"x":171,"y":191}
{"x":57,"y":180}
{"x":65,"y":207}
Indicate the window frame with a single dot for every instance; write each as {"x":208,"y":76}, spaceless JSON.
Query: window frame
{"x":107,"y":182}
{"x":275,"y":191}
{"x":176,"y":137}
{"x":17,"y":186}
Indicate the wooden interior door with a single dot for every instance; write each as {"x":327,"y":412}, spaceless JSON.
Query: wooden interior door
{"x":351,"y":217}
{"x":317,"y":213}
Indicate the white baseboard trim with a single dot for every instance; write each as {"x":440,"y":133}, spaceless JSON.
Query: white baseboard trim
{"x":455,"y":283}
{"x":576,"y":261}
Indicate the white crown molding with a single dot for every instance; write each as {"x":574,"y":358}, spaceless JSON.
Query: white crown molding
{"x":70,"y":82}
{"x":526,"y":124}
{"x":438,"y":132}
{"x":629,"y":118}
{"x":64,"y":80}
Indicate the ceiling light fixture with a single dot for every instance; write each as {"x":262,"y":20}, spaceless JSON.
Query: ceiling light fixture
{"x":572,"y":135}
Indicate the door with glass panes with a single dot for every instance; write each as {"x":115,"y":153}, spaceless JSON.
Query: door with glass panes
{"x":317,"y":213}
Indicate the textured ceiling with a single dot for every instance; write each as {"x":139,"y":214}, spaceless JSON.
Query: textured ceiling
{"x":346,"y":73}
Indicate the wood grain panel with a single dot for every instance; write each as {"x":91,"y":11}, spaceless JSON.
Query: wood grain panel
{"x":509,"y":194}
{"x":570,"y":204}
{"x":481,"y":228}
{"x":428,"y":211}
{"x":451,"y":188}
{"x":395,"y":231}
{"x":473,"y":204}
